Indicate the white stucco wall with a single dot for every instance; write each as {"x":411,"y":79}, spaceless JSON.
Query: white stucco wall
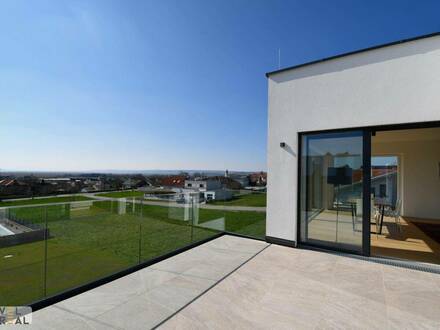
{"x":391,"y":85}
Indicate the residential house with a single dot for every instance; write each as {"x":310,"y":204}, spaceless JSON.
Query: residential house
{"x":211,"y":188}
{"x":12,"y":188}
{"x":173,"y":181}
{"x":327,"y":119}
{"x":258,"y":179}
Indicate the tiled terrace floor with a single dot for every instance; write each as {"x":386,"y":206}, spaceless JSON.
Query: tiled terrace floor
{"x":278,"y":288}
{"x":147,"y":297}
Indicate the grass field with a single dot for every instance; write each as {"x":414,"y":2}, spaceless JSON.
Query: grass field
{"x":95,"y":239}
{"x":47,"y":200}
{"x":133,"y":193}
{"x":252,"y":199}
{"x":122,"y":194}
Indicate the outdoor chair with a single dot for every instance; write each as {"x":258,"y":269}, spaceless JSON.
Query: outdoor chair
{"x":395,"y":213}
{"x":374,"y":213}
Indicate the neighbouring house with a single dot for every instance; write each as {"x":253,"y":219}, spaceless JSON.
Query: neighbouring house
{"x":327,"y":119}
{"x":130,"y":183}
{"x":61,"y":185}
{"x":215,"y":181}
{"x":258,"y":179}
{"x":384,"y":182}
{"x":211,"y":188}
{"x":203,"y":184}
{"x":13,"y":187}
{"x":242,"y":180}
{"x":173,"y":181}
{"x":138,"y":181}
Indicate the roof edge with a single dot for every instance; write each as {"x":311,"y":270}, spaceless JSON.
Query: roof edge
{"x":353,"y":52}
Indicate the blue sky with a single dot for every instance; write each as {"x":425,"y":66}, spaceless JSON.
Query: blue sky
{"x":89,"y":85}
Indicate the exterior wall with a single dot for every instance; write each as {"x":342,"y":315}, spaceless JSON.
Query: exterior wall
{"x":213,"y":185}
{"x":218,"y":194}
{"x":391,"y":85}
{"x":194,"y":184}
{"x":203,"y":185}
{"x":420,"y":181}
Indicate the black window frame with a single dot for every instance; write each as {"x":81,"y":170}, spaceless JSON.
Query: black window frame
{"x":369,"y":131}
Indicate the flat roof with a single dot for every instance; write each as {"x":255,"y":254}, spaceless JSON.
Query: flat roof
{"x":352,"y":53}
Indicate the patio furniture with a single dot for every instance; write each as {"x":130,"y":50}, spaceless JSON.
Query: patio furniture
{"x":381,"y":204}
{"x":395,"y":213}
{"x":358,"y":211}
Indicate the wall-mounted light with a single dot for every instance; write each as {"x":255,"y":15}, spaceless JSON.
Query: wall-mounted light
{"x":282,"y":144}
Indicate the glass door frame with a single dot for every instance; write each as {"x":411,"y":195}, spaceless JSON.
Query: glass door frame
{"x":366,"y":188}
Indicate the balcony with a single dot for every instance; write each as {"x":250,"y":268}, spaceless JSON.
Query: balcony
{"x":136,"y":263}
{"x":233,"y":282}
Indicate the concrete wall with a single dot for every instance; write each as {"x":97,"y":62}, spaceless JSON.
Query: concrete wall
{"x":395,"y":84}
{"x":418,"y":175}
{"x":24,"y":238}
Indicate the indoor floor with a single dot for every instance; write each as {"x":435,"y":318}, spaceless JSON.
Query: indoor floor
{"x":414,"y":240}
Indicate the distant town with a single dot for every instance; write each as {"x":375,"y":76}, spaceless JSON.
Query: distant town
{"x":14,"y":185}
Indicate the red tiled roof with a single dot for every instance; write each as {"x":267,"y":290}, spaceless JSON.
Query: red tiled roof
{"x":173,"y":181}
{"x":7,"y":182}
{"x":357,"y":174}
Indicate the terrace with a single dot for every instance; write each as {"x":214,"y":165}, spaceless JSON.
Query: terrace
{"x":233,"y":282}
{"x":132,"y":263}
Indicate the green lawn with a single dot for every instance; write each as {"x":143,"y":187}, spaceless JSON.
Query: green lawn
{"x":122,"y":194}
{"x":45,"y":200}
{"x":133,"y":193}
{"x":92,"y":240}
{"x":252,"y":199}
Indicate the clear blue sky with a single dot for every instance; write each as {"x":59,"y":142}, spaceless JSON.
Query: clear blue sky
{"x":87,"y":85}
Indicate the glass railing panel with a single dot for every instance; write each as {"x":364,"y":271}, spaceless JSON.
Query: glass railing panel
{"x":89,"y":240}
{"x":244,"y":211}
{"x":83,"y":241}
{"x":206,"y":222}
{"x":169,"y":223}
{"x":22,"y":255}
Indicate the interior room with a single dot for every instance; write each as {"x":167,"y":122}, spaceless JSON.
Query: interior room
{"x":405,"y":183}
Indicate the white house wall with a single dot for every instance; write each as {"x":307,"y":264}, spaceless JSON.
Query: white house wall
{"x":391,"y":85}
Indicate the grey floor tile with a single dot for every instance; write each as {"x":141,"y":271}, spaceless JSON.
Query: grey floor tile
{"x":179,"y":291}
{"x":56,"y":318}
{"x":106,"y":297}
{"x":138,"y":313}
{"x":398,"y":319}
{"x":237,"y":244}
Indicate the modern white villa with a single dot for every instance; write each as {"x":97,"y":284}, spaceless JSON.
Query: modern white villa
{"x":329,"y":120}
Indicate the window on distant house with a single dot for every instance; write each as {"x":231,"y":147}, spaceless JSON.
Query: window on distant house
{"x":189,"y":185}
{"x":383,"y":190}
{"x":201,"y":185}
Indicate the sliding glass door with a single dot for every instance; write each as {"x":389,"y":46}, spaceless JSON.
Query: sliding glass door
{"x":332,"y":190}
